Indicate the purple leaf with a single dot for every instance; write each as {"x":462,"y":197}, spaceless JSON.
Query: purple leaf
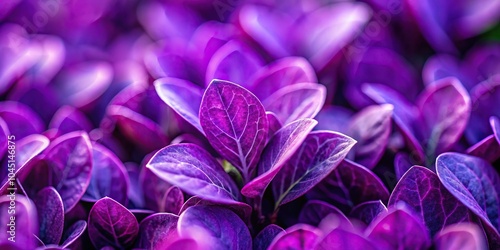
{"x":111,"y":224}
{"x":183,"y":244}
{"x":70,"y":160}
{"x":234,"y":62}
{"x":460,"y":236}
{"x":302,"y":100}
{"x":333,"y":118}
{"x":20,"y":119}
{"x":73,"y":233}
{"x":26,"y":149}
{"x":265,"y":237}
{"x":274,"y":124}
{"x":157,"y":231}
{"x":472,"y":181}
{"x":328,"y":30}
{"x":315,"y":211}
{"x":445,"y":109}
{"x":196,"y":172}
{"x":495,"y":125}
{"x":153,"y":187}
{"x":423,"y":192}
{"x":4,"y":135}
{"x":487,"y":149}
{"x":368,"y":211}
{"x":388,"y":231}
{"x":281,"y":73}
{"x":371,"y":127}
{"x":340,"y":239}
{"x":235,"y":124}
{"x":172,"y":201}
{"x":109,"y":177}
{"x":25,"y":225}
{"x":214,"y":228}
{"x":68,"y":119}
{"x":277,"y":152}
{"x":484,"y":95}
{"x":299,"y":237}
{"x":349,"y":185}
{"x":319,"y":155}
{"x":241,"y":209}
{"x":50,"y":210}
{"x":402,"y":164}
{"x":183,"y":97}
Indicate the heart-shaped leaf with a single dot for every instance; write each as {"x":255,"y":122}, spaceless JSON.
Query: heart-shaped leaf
{"x":183,"y":97}
{"x":214,"y":228}
{"x":235,"y":124}
{"x":302,"y":100}
{"x":422,"y":191}
{"x":195,"y":171}
{"x":111,"y":224}
{"x":50,"y":210}
{"x":320,"y":153}
{"x":276,"y":153}
{"x":349,"y":185}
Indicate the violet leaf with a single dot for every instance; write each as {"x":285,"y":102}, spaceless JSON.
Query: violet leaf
{"x":314,"y":211}
{"x":266,"y":236}
{"x":157,"y":231}
{"x":368,"y":211}
{"x":50,"y":210}
{"x":460,"y":236}
{"x":339,"y":239}
{"x":299,"y":237}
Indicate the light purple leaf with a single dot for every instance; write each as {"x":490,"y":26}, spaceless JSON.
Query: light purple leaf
{"x":368,"y":211}
{"x":277,"y":152}
{"x":214,"y":228}
{"x":109,"y":177}
{"x":388,"y":231}
{"x":50,"y":210}
{"x":172,"y":201}
{"x":26,"y":225}
{"x":235,"y":124}
{"x":472,"y":181}
{"x":70,"y":160}
{"x":315,"y":211}
{"x":111,"y":224}
{"x":243,"y":210}
{"x":157,"y":231}
{"x":371,"y":127}
{"x":495,"y":125}
{"x":196,"y":172}
{"x":266,"y":236}
{"x":234,"y":62}
{"x":4,"y":135}
{"x":484,"y":95}
{"x":299,"y":237}
{"x":319,"y":155}
{"x":302,"y":100}
{"x":183,"y":97}
{"x":445,"y":108}
{"x":20,"y":119}
{"x":340,"y":239}
{"x":274,"y":124}
{"x":334,"y":118}
{"x":422,"y":191}
{"x":460,"y":236}
{"x":487,"y":149}
{"x":349,"y":185}
{"x":281,"y":73}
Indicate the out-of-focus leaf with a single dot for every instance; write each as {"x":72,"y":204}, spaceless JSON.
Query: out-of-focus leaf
{"x":266,"y":236}
{"x":299,"y":237}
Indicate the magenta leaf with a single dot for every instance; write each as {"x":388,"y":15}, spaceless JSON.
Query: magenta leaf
{"x":111,"y":224}
{"x":235,"y":124}
{"x":69,"y":158}
{"x":183,"y":97}
{"x":299,"y":237}
{"x":214,"y":228}
{"x":472,"y":181}
{"x":68,"y":119}
{"x":349,"y":185}
{"x":371,"y":127}
{"x":274,"y":124}
{"x":276,"y":153}
{"x":157,"y":231}
{"x":266,"y":236}
{"x":25,"y":223}
{"x":319,"y":155}
{"x":423,"y":192}
{"x":302,"y":100}
{"x":460,"y":236}
{"x":387,"y":231}
{"x":50,"y":210}
{"x":195,"y":171}
{"x":339,"y":239}
{"x":172,"y":201}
